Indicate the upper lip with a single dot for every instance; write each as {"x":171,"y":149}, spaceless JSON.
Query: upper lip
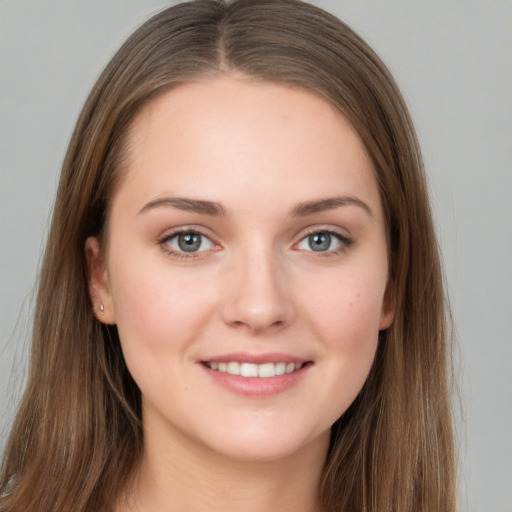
{"x":244,"y":357}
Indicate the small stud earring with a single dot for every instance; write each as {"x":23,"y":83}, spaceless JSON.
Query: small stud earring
{"x":102,"y":308}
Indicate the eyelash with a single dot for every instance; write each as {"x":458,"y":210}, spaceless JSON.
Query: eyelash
{"x":164,"y":243}
{"x":344,"y":241}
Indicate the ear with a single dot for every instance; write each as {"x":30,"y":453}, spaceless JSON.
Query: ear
{"x":387,"y":314}
{"x":99,"y":288}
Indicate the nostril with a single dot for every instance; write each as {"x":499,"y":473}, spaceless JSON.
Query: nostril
{"x":257,"y":325}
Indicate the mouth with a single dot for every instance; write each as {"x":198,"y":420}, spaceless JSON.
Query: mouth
{"x":263,"y":371}
{"x":257,"y":375}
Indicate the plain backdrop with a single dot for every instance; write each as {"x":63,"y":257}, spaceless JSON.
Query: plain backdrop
{"x":453,"y":61}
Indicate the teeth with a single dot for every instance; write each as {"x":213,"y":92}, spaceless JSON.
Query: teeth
{"x":248,"y":370}
{"x":263,"y":371}
{"x":280,"y":368}
{"x":267,"y":370}
{"x":233,"y":368}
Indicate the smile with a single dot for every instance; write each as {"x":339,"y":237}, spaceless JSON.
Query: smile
{"x":263,"y":371}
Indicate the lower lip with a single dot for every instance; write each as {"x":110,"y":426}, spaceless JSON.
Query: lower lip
{"x":257,"y":386}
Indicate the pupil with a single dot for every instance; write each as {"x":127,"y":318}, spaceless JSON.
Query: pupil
{"x":189,"y":242}
{"x":320,"y":241}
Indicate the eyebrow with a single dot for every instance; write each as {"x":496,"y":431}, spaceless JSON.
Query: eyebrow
{"x":212,"y":208}
{"x":310,"y":207}
{"x":182,"y":203}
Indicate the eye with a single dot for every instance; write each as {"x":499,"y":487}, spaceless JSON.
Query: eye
{"x":188,"y":242}
{"x":322,"y":241}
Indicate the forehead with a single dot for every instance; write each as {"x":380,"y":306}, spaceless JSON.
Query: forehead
{"x":233,"y":132}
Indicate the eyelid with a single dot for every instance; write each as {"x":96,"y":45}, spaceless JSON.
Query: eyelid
{"x":188,"y":228}
{"x":345,"y":240}
{"x":170,"y":234}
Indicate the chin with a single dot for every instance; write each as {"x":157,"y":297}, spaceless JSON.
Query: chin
{"x":268,"y":445}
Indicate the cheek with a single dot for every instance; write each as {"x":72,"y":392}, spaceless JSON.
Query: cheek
{"x":157,"y":310}
{"x":342,"y":312}
{"x":159,"y":315}
{"x":346,"y":309}
{"x":346,"y":320}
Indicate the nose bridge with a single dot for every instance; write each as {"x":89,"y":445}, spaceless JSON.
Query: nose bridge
{"x":258,"y":298}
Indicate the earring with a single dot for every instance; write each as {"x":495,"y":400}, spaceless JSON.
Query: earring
{"x":101,"y":308}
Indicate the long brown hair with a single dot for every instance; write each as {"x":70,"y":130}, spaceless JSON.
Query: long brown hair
{"x":78,"y":434}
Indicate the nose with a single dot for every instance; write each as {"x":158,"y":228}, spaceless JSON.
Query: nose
{"x":258,"y":298}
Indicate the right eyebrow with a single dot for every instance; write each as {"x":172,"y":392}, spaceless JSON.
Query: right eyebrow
{"x":187,"y":204}
{"x":310,"y":207}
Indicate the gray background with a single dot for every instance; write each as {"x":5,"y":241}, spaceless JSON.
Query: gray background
{"x":453,"y":61}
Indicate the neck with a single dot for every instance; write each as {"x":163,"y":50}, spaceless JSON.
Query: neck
{"x":180,"y":475}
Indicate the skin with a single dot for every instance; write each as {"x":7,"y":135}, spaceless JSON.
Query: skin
{"x":259,"y":150}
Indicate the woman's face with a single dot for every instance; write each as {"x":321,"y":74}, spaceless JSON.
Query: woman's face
{"x":247,"y":235}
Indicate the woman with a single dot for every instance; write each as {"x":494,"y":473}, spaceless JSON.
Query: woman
{"x":241,"y":304}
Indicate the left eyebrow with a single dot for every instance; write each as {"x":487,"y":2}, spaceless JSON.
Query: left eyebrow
{"x":310,"y":207}
{"x":186,"y":204}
